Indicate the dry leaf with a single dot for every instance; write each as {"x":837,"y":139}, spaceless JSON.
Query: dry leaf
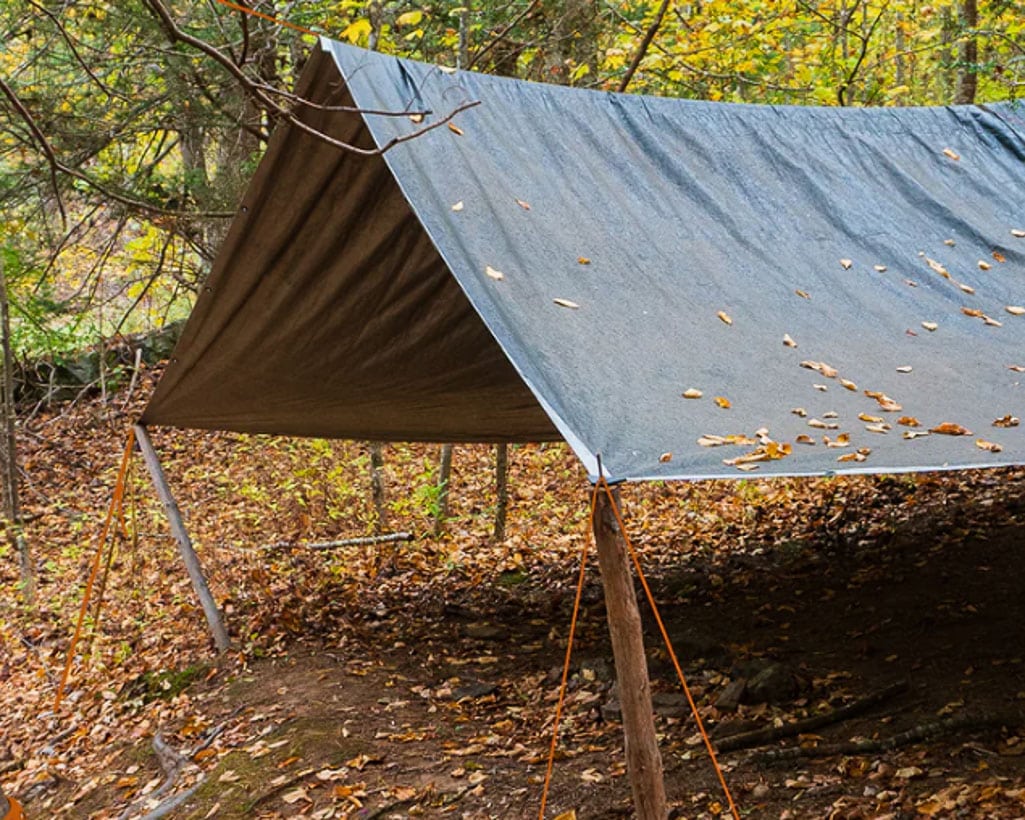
{"x":975,"y":313}
{"x":949,"y":428}
{"x":966,"y":288}
{"x":692,"y":393}
{"x":855,"y":456}
{"x":842,"y":440}
{"x":800,"y":411}
{"x":1015,"y":310}
{"x":846,"y":264}
{"x":950,"y":153}
{"x":823,"y":425}
{"x":949,"y":242}
{"x":930,"y":325}
{"x":831,"y":414}
{"x":999,"y":257}
{"x":885,"y":402}
{"x":1017,"y":368}
{"x":416,"y":118}
{"x":989,"y":446}
{"x":1017,"y":232}
{"x":936,"y":266}
{"x":522,"y":204}
{"x":984,"y":265}
{"x":904,"y":368}
{"x":989,"y":320}
{"x":803,"y":293}
{"x":1007,"y":421}
{"x":458,"y":206}
{"x":712,"y":441}
{"x":725,"y":317}
{"x":909,"y":421}
{"x":871,"y":419}
{"x":497,"y":275}
{"x":295,"y":796}
{"x":583,"y":260}
{"x":804,"y":438}
{"x":820,"y":387}
{"x":566,"y":303}
{"x":878,"y":428}
{"x":847,"y":383}
{"x":747,"y":467}
{"x":910,"y":434}
{"x":880,"y":268}
{"x":665,"y":457}
{"x":791,"y":343}
{"x":723,"y":402}
{"x":911,"y":283}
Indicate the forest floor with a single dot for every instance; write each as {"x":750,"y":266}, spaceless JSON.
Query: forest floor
{"x":420,"y":679}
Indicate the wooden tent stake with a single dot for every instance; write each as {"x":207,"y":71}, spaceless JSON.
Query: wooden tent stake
{"x":643,"y":760}
{"x":188,"y":554}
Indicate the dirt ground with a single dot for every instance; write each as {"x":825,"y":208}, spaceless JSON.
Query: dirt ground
{"x":435,"y":706}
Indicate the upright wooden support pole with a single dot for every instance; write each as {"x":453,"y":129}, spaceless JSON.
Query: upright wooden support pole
{"x":643,"y":760}
{"x":188,"y":554}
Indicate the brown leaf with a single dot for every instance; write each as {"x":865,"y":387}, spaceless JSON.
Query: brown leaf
{"x":989,"y":446}
{"x":847,"y":383}
{"x":904,"y":368}
{"x":823,"y":425}
{"x":1015,"y":310}
{"x":692,"y":393}
{"x":930,"y":326}
{"x":871,"y":419}
{"x":803,"y":293}
{"x":984,"y":265}
{"x":723,"y":402}
{"x":523,"y":204}
{"x":800,"y":411}
{"x":949,"y":428}
{"x":583,"y":260}
{"x":936,"y":266}
{"x":950,"y":153}
{"x":665,"y":457}
{"x":566,"y":303}
{"x":999,"y":257}
{"x":858,"y":455}
{"x":788,"y":341}
{"x":1007,"y":421}
{"x":909,"y":421}
{"x":455,"y":129}
{"x":725,"y":317}
{"x":1017,"y":232}
{"x":1017,"y":368}
{"x":804,"y":438}
{"x":842,"y":440}
{"x":975,"y":313}
{"x":911,"y":434}
{"x":966,"y":288}
{"x":883,"y":427}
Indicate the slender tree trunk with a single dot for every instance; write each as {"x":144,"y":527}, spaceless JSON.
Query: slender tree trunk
{"x":643,"y":760}
{"x":501,"y":490}
{"x":444,"y":479}
{"x":377,"y":488}
{"x":12,"y":505}
{"x":968,"y":55}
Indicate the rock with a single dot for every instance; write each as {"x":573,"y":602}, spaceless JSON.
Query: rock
{"x":775,"y":684}
{"x":732,"y":694}
{"x":474,"y":690}
{"x":690,"y":643}
{"x":670,"y":704}
{"x":611,"y":711}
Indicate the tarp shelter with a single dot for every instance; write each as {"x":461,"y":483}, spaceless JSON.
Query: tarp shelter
{"x":562,"y":263}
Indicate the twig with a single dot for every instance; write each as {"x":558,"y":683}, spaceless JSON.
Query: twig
{"x":387,"y":538}
{"x":927,"y":731}
{"x":761,"y":737}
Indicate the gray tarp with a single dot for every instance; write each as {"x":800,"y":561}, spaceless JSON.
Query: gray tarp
{"x":353,"y":296}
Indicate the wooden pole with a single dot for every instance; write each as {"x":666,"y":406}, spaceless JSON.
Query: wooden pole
{"x":643,"y":760}
{"x":444,"y":481}
{"x":501,"y":490}
{"x":188,"y":554}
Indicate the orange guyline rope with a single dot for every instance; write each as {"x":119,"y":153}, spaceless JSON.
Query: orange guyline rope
{"x":269,"y":17}
{"x":603,"y":486}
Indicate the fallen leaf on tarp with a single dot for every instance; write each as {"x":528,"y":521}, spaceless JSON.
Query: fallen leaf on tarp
{"x":804,"y":438}
{"x":1018,"y":232}
{"x":871,"y":419}
{"x":1015,"y":310}
{"x":665,"y":457}
{"x":458,"y":206}
{"x":858,"y":455}
{"x":911,"y":283}
{"x":930,"y":325}
{"x":950,"y":153}
{"x":885,"y":402}
{"x":989,"y":320}
{"x":788,"y":341}
{"x":821,"y":367}
{"x":911,"y":434}
{"x":497,"y":275}
{"x":725,"y":317}
{"x":820,"y":387}
{"x":566,"y":303}
{"x":984,"y":265}
{"x":879,"y":268}
{"x":1017,"y":368}
{"x":522,"y":204}
{"x":831,"y":414}
{"x":966,"y":288}
{"x":878,"y":428}
{"x":803,"y":293}
{"x":949,"y":428}
{"x":800,"y":411}
{"x":1007,"y":421}
{"x":949,"y":242}
{"x":455,"y":129}
{"x":842,"y":440}
{"x":999,"y":257}
{"x":936,"y":266}
{"x":848,"y":384}
{"x":583,"y":260}
{"x":904,"y":368}
{"x":846,"y":264}
{"x":692,"y":393}
{"x":909,"y":421}
{"x":723,"y":402}
{"x":989,"y":446}
{"x":295,"y":796}
{"x":822,"y":425}
{"x":416,"y":118}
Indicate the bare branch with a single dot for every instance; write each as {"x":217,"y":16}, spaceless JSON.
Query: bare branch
{"x":642,"y":49}
{"x":498,"y":38}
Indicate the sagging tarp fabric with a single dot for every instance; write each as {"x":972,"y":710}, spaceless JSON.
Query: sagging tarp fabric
{"x":563,"y":263}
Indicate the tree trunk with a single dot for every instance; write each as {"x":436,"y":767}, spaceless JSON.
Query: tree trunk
{"x":12,"y":504}
{"x":377,"y":486}
{"x":968,"y":55}
{"x":444,"y":479}
{"x":501,"y":490}
{"x":643,"y":760}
